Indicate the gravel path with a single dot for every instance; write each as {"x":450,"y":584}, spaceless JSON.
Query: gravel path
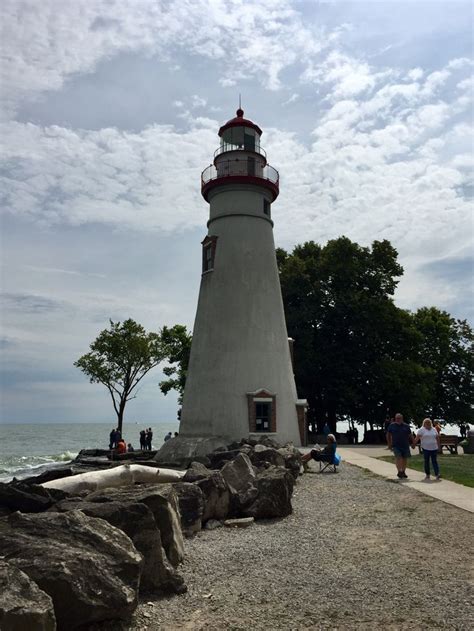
{"x":359,"y":552}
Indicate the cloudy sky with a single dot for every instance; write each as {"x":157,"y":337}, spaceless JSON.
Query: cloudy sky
{"x":110,"y":111}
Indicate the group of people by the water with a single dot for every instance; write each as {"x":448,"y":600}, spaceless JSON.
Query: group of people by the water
{"x":400,"y":439}
{"x":118,"y":444}
{"x":146,"y":436}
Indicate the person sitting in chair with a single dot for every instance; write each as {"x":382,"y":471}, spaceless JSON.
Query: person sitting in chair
{"x":326,"y":454}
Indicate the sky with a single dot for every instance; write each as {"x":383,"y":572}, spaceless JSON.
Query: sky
{"x":110,"y":111}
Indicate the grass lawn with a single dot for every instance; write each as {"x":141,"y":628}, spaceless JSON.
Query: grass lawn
{"x":457,"y":468}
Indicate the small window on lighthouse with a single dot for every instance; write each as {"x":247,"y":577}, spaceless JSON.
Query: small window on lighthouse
{"x":266,"y":207}
{"x":208,"y":253}
{"x":208,"y":259}
{"x":263,"y":413}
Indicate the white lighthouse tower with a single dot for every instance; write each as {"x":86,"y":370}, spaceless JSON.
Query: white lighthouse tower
{"x":240,"y":381}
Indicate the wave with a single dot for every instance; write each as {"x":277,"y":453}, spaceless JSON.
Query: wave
{"x":24,"y":466}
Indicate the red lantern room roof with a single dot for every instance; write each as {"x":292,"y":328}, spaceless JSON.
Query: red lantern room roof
{"x":240,"y":121}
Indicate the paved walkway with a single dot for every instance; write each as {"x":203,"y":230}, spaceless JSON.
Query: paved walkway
{"x":445,"y":490}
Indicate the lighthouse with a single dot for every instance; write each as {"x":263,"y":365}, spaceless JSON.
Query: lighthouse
{"x":240,"y":381}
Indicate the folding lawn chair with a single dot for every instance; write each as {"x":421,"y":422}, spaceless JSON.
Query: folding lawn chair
{"x":330,"y":466}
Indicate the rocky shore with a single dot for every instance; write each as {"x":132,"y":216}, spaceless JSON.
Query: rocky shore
{"x":358,"y":552}
{"x":241,"y":541}
{"x":80,"y":545}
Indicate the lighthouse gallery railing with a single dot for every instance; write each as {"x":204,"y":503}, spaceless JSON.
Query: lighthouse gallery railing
{"x":239,"y":168}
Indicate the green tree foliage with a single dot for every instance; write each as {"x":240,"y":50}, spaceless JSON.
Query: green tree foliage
{"x":447,"y":350}
{"x":357,"y":355}
{"x":176,"y":343}
{"x":119,"y":358}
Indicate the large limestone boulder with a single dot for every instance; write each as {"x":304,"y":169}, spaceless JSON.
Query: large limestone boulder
{"x":262,"y":454}
{"x":27,"y":498}
{"x":162,"y":500}
{"x":191,"y":507}
{"x":214,"y":489}
{"x":181,"y":451}
{"x":137,"y":521}
{"x":90,"y":569}
{"x":240,"y":478}
{"x":216,"y":496}
{"x":275,"y":488}
{"x":197,"y":471}
{"x":23,"y":605}
{"x":292,"y":458}
{"x":221,"y":457}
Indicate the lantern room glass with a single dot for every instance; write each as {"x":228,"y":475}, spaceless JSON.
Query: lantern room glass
{"x":241,"y":137}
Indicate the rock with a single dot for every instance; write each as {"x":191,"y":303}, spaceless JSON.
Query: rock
{"x":191,"y":507}
{"x":220,"y":458}
{"x":55,"y":473}
{"x":275,"y":488}
{"x":181,"y":451}
{"x":162,"y":500}
{"x":216,"y":496}
{"x":137,"y":521}
{"x":23,"y":605}
{"x":268,"y":442}
{"x":244,"y":522}
{"x":27,"y":498}
{"x":136,"y":456}
{"x":90,"y":569}
{"x":94,"y":453}
{"x":262,"y":454}
{"x":292,"y":458}
{"x":241,"y":481}
{"x":212,"y":524}
{"x":197,"y":471}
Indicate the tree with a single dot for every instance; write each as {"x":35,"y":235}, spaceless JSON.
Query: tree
{"x":176,"y":343}
{"x":446,"y":349}
{"x":120,"y":357}
{"x":351,"y":341}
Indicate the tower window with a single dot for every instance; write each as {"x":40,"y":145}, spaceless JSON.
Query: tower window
{"x":263,"y":415}
{"x":262,"y":412}
{"x":266,"y":207}
{"x":208,"y":253}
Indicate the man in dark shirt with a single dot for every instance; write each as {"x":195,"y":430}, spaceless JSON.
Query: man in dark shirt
{"x":399,"y":440}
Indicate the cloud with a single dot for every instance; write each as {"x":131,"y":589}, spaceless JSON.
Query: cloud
{"x":148,"y":180}
{"x":28,"y":303}
{"x":43,"y":43}
{"x":388,"y":162}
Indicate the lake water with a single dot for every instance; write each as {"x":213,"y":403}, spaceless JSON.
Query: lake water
{"x":29,"y":449}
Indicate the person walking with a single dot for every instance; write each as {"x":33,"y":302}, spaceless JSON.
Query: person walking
{"x":430,"y":444}
{"x":399,"y":439}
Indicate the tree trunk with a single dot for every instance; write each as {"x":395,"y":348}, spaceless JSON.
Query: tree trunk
{"x":120,"y":415}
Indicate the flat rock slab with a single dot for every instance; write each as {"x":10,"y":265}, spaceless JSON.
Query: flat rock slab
{"x":245,"y":522}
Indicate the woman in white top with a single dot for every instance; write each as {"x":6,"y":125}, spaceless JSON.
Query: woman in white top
{"x":430,"y":444}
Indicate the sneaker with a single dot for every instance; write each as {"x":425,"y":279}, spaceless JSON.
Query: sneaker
{"x":404,"y":475}
{"x":400,"y":475}
{"x":427,"y":477}
{"x":438,"y":477}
